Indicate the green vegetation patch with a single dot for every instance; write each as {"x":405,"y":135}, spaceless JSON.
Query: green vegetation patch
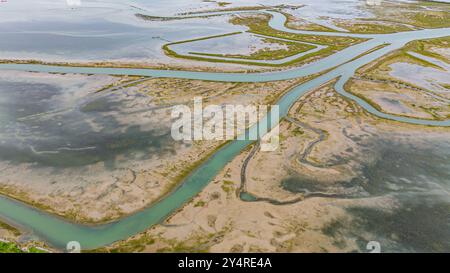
{"x":373,"y":27}
{"x":11,"y":247}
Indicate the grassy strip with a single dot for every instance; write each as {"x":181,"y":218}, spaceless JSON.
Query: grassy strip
{"x":248,"y":8}
{"x":117,"y":65}
{"x":159,"y":18}
{"x":203,"y":59}
{"x":294,"y":48}
{"x":203,"y":38}
{"x":373,"y":28}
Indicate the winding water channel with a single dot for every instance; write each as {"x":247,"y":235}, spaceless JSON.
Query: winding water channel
{"x":57,"y":231}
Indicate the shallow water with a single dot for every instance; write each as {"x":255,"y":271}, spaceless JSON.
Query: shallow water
{"x":417,"y":180}
{"x":109,"y":30}
{"x":428,"y":78}
{"x":397,"y":168}
{"x":19,"y":99}
{"x":95,"y":31}
{"x":42,"y":124}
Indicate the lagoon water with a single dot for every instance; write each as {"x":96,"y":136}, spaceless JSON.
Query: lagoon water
{"x":94,"y":31}
{"x":417,"y":177}
{"x":110,"y":30}
{"x":57,"y":122}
